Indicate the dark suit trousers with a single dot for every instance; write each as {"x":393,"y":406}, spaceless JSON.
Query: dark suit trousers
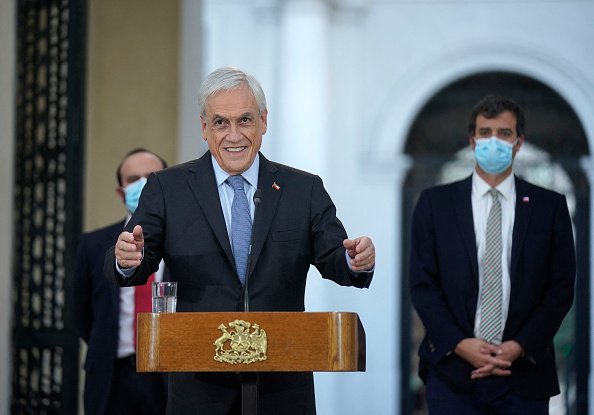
{"x":134,"y":393}
{"x":220,"y":393}
{"x":489,"y":396}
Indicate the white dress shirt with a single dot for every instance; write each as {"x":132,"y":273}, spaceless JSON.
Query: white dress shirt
{"x":481,"y":204}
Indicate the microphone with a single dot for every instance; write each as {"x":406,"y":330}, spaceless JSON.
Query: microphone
{"x":257,"y":199}
{"x":246,"y":298}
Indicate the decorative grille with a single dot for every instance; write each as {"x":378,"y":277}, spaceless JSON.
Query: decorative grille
{"x":47,"y":192}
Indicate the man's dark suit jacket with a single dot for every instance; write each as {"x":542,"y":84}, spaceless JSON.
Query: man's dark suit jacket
{"x":444,"y":282}
{"x":295,"y":225}
{"x":97,"y":314}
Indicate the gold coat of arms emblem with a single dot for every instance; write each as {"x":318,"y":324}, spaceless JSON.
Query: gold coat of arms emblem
{"x":241,"y":342}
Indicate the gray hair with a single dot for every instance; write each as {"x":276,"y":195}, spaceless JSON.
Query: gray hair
{"x":228,"y":78}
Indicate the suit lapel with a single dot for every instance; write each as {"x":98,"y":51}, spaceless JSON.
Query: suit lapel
{"x":524,"y":207}
{"x":271,"y":186}
{"x":463,"y":207}
{"x":202,"y":182}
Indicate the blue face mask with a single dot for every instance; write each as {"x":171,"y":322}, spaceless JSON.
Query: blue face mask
{"x":493,"y":155}
{"x":132,"y":193}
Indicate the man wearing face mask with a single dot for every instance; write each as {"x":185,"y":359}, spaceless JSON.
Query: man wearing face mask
{"x":492,"y":272}
{"x":106,"y":316}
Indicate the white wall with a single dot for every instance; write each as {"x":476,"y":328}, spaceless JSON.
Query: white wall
{"x":190,"y":141}
{"x":7,"y":126}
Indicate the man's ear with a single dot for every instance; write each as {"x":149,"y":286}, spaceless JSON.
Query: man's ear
{"x":203,"y":122}
{"x":121,"y":194}
{"x":264,"y":118}
{"x":471,"y":141}
{"x":520,"y":142}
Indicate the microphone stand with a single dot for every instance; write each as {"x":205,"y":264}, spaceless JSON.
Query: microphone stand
{"x":250,"y":380}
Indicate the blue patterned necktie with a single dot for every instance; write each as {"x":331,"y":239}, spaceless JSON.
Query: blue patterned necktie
{"x":241,"y":226}
{"x":491,"y":297}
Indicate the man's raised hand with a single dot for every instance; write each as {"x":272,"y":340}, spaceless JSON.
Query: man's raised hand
{"x":128,"y":248}
{"x":362,"y":253}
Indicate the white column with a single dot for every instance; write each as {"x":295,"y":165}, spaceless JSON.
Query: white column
{"x":303,"y":83}
{"x":7,"y":138}
{"x":368,"y":199}
{"x":233,"y":33}
{"x":264,"y":66}
{"x":190,"y":143}
{"x":587,"y":164}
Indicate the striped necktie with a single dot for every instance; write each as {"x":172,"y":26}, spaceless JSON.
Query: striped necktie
{"x":241,"y":226}
{"x":492,"y":295}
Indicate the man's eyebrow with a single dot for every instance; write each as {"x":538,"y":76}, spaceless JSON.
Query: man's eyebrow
{"x":132,"y":177}
{"x":247,"y":114}
{"x":217,"y":117}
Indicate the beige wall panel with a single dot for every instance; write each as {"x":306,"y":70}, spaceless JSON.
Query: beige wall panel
{"x":132,"y":83}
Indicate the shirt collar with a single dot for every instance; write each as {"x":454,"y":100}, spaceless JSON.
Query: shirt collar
{"x":251,"y":174}
{"x":506,"y":188}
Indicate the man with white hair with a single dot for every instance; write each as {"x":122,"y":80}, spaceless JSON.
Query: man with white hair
{"x":201,"y":218}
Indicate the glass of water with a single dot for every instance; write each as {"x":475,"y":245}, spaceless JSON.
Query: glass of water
{"x":164,"y":297}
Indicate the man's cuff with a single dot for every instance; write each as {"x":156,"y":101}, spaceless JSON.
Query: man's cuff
{"x":127,"y":272}
{"x":348,"y":260}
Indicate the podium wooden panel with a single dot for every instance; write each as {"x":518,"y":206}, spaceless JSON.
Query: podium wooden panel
{"x":297,"y":342}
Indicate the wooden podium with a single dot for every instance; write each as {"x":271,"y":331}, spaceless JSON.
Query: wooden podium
{"x":249,"y":343}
